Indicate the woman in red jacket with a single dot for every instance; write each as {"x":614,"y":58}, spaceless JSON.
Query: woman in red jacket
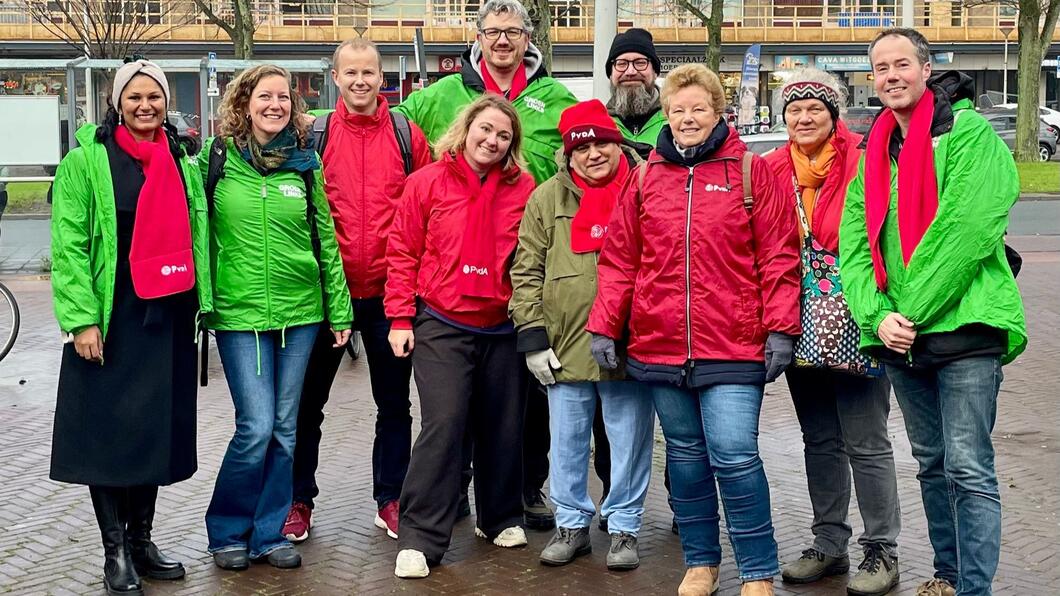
{"x":843,"y":416}
{"x":447,"y":293}
{"x":702,"y":274}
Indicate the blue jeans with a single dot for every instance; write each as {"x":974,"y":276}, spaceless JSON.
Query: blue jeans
{"x":253,"y":489}
{"x":949,"y":414}
{"x":712,"y":436}
{"x":630,"y":420}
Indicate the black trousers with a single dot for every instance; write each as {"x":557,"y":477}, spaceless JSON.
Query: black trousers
{"x":390,"y":378}
{"x":466,"y":381}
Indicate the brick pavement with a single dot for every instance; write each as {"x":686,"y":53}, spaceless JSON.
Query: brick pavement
{"x":51,"y":544}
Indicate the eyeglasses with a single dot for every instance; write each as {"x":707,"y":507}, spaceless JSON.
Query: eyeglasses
{"x":512,"y":34}
{"x":640,"y":64}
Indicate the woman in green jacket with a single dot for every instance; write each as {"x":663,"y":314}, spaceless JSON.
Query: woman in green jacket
{"x":277,"y":276}
{"x":128,"y":207}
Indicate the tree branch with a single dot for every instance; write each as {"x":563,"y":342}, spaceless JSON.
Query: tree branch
{"x":216,"y":20}
{"x":1052,"y":11}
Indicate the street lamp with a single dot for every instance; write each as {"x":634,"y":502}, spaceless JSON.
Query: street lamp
{"x":1006,"y":30}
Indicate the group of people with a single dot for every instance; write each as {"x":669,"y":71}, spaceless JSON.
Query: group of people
{"x":634,"y":258}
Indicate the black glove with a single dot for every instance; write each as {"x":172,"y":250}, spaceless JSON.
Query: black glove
{"x":780,"y":349}
{"x":603,"y":349}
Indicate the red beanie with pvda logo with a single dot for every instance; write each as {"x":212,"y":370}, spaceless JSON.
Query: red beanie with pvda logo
{"x":587,"y":122}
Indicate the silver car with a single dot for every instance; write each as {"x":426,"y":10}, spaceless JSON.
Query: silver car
{"x":1004,"y":123}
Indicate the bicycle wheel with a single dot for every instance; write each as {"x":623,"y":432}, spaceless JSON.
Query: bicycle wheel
{"x":9,"y":320}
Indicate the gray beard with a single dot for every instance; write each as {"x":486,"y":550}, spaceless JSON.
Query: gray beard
{"x":636,"y":101}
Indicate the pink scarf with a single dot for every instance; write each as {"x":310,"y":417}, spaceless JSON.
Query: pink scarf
{"x":478,"y":251}
{"x":588,"y":229}
{"x":918,"y":192}
{"x":160,"y":258}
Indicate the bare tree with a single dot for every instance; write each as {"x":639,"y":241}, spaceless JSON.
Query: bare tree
{"x":240,"y":26}
{"x":108,"y":29}
{"x":541,"y":35}
{"x":711,"y":14}
{"x":1036,"y":23}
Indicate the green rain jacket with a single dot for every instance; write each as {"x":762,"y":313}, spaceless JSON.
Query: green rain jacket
{"x":552,"y":287}
{"x":958,"y":274}
{"x":539,"y":106}
{"x":266,"y":276}
{"x":84,"y":234}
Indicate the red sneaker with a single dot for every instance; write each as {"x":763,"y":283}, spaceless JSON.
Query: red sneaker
{"x":299,"y":520}
{"x":387,"y":519}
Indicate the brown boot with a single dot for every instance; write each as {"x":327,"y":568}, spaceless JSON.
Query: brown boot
{"x":699,"y":581}
{"x":762,"y":587}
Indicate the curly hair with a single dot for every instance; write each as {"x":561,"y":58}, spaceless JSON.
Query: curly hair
{"x":235,"y":120}
{"x":455,"y":138}
{"x":697,"y":75}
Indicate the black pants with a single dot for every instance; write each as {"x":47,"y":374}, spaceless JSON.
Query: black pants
{"x":465,"y":381}
{"x":390,"y":389}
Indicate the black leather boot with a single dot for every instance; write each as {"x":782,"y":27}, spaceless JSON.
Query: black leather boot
{"x":119,"y":575}
{"x":146,"y":557}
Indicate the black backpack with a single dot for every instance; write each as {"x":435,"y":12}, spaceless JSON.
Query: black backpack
{"x":402,"y":131}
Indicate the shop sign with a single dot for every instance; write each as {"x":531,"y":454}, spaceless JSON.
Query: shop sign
{"x":790,"y":62}
{"x":854,"y":63}
{"x":448,"y":63}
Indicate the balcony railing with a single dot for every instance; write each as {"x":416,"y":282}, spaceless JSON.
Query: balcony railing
{"x":803,"y":21}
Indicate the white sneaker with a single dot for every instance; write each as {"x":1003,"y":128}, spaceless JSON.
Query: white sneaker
{"x":509,"y":538}
{"x":411,"y":564}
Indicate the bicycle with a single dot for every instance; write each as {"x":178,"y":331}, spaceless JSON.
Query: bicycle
{"x":9,"y":317}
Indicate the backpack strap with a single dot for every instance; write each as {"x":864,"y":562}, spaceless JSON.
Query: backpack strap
{"x":642,"y":171}
{"x":403,"y":133}
{"x":748,"y":193}
{"x":309,"y":180}
{"x":320,"y":133}
{"x":215,"y":170}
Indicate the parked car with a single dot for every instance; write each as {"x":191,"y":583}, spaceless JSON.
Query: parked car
{"x":187,"y":131}
{"x":859,"y":119}
{"x":1004,"y":122}
{"x":1049,"y":115}
{"x":765,"y":142}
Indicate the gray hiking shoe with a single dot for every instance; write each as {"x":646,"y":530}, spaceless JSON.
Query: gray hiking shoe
{"x":877,"y":574}
{"x":623,"y":553}
{"x":812,"y":566}
{"x":566,"y":545}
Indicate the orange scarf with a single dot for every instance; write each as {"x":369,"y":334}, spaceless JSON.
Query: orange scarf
{"x":810,"y":176}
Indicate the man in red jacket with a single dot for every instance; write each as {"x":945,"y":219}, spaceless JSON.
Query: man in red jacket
{"x":365,"y":174}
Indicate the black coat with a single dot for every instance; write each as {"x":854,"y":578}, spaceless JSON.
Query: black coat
{"x":131,"y":420}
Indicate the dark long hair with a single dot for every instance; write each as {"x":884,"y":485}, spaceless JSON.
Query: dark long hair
{"x":106,"y":129}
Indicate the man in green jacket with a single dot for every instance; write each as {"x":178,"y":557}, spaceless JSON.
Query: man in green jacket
{"x":923,"y":261}
{"x":633,"y":66}
{"x":502,"y":61}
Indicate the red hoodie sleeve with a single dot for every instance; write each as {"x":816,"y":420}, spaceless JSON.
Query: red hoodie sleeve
{"x":776,"y":243}
{"x":403,"y":254}
{"x":421,"y":149}
{"x":618,"y":265}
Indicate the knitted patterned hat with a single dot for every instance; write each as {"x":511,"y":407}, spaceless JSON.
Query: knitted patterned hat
{"x":812,"y":90}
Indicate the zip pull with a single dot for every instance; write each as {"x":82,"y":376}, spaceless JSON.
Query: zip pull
{"x":688,"y":183}
{"x":264,"y":190}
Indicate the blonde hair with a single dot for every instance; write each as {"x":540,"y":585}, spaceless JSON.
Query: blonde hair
{"x":356,"y":44}
{"x":454,"y":139}
{"x":689,"y":75}
{"x":235,"y":121}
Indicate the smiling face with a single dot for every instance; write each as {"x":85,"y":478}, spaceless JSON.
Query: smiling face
{"x":596,"y":163}
{"x":358,"y":74}
{"x":488,"y":139}
{"x":691,"y":115}
{"x":630,"y":76}
{"x":143,"y":107}
{"x":270,"y":107}
{"x":809,"y":123}
{"x":503,"y":54}
{"x":899,"y":77}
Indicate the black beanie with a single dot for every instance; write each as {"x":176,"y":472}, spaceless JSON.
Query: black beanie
{"x":634,"y":40}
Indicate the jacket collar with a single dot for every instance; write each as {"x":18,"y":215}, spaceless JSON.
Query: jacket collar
{"x":723,"y":141}
{"x":563,"y":166}
{"x":472,"y":75}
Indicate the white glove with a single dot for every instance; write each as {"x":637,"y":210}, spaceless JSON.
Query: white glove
{"x":539,"y":364}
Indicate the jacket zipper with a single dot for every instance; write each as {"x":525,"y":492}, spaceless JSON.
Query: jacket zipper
{"x":688,"y":265}
{"x":265,"y":239}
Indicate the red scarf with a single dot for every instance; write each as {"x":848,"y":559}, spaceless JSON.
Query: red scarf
{"x":589,"y":226}
{"x":160,"y":259}
{"x":518,"y":83}
{"x":478,"y":254}
{"x":918,"y":192}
